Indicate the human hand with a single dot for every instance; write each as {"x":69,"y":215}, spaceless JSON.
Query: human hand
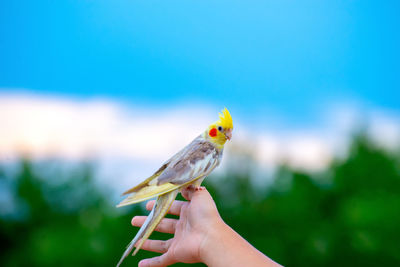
{"x":198,"y":222}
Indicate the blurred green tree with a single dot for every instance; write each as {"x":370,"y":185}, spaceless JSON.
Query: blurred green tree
{"x":347,"y":215}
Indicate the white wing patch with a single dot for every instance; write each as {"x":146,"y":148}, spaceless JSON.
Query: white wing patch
{"x":199,"y":169}
{"x":195,"y":161}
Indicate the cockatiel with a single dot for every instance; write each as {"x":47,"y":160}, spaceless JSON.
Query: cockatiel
{"x":187,"y":167}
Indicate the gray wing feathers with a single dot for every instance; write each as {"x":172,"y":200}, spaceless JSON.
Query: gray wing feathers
{"x":197,"y":159}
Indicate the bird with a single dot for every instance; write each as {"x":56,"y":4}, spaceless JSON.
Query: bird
{"x":187,"y":168}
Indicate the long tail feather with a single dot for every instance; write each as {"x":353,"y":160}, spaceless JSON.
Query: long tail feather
{"x":147,"y":181}
{"x":146,"y":193}
{"x":160,"y":209}
{"x":151,"y":191}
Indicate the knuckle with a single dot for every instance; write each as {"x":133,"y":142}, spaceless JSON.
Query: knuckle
{"x":164,"y":246}
{"x":161,"y":226}
{"x":173,"y":225}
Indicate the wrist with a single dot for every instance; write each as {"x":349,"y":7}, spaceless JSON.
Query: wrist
{"x":213,"y":240}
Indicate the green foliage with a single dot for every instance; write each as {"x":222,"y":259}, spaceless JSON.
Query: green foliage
{"x":64,"y":224}
{"x":348,"y":215}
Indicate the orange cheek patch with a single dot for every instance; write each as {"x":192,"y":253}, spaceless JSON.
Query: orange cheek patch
{"x":213,"y":132}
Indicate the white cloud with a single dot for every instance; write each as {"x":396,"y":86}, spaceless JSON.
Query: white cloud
{"x":54,"y":127}
{"x":385,"y":129}
{"x":130,"y":142}
{"x":127,"y":143}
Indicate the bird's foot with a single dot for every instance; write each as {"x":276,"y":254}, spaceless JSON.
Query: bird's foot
{"x":187,"y":192}
{"x":199,"y":188}
{"x":196,"y":188}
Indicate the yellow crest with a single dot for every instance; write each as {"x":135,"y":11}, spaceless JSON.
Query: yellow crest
{"x":225,"y":119}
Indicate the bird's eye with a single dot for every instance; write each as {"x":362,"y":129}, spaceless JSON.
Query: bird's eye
{"x":220,"y":128}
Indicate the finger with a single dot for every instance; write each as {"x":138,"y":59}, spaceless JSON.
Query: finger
{"x":175,"y":207}
{"x":166,"y":225}
{"x":185,"y":194}
{"x":150,"y":204}
{"x":197,"y":192}
{"x":159,"y":246}
{"x":159,"y":261}
{"x":188,"y":192}
{"x":202,"y":192}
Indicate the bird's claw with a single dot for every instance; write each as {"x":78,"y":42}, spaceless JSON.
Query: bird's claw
{"x":199,"y":188}
{"x":196,"y":188}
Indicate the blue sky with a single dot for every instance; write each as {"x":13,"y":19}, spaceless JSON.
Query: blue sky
{"x":288,"y":58}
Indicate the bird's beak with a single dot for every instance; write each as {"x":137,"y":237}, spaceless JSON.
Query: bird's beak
{"x":228,"y":134}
